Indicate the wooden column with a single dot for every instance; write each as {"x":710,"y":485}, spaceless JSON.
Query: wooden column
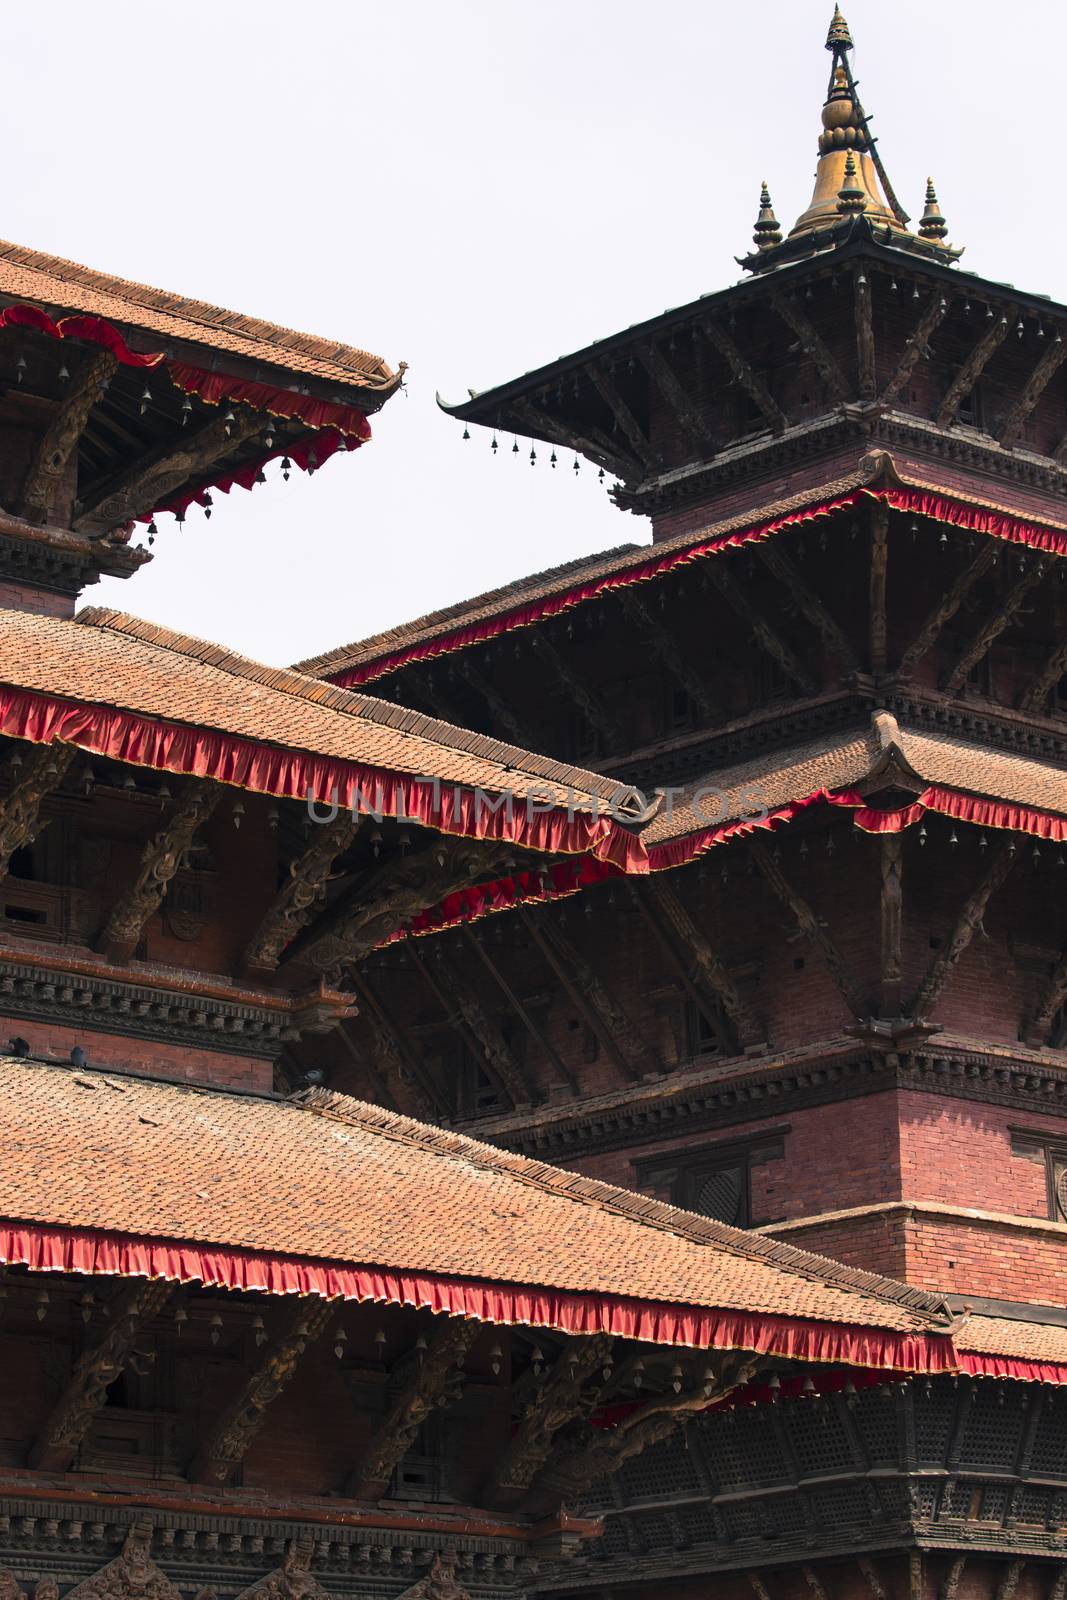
{"x":878,"y":610}
{"x":892,"y":904}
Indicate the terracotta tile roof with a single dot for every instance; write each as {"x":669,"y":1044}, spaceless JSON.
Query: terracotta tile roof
{"x":1003,"y":1336}
{"x":106,"y":658}
{"x":543,"y":584}
{"x":837,"y":760}
{"x":329,"y":1177}
{"x":31,"y":275}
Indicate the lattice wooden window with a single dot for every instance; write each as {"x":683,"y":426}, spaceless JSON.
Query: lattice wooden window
{"x":715,"y":1181}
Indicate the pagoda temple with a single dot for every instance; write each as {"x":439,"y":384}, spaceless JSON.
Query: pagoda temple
{"x":567,"y":1097}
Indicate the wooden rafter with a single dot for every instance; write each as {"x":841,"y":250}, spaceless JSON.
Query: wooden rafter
{"x":865,"y":351}
{"x":561,"y":1398}
{"x":744,"y":373}
{"x":663,"y":375}
{"x":1001,"y":617}
{"x":811,"y":926}
{"x":69,"y":1421}
{"x":626,"y":422}
{"x":34,"y":771}
{"x":951,"y":1586}
{"x":873,"y":1578}
{"x":408,"y":1082}
{"x":967,"y":925}
{"x":590,"y":996}
{"x":161,"y":858}
{"x":812,"y":343}
{"x":431,"y":1383}
{"x":666,"y":647}
{"x":576,"y":689}
{"x":522,"y":1011}
{"x":302,"y":893}
{"x":1055,"y":667}
{"x":892,"y":920}
{"x":918,"y":345}
{"x":371,"y":1062}
{"x":878,"y":604}
{"x":708,"y":979}
{"x":972,"y":369}
{"x":56,"y":450}
{"x":765,"y":635}
{"x":1053,"y":999}
{"x":388,"y":896}
{"x":464,"y":1014}
{"x":500,"y":706}
{"x":947,"y":607}
{"x":147,"y":483}
{"x":808,"y":602}
{"x":598,"y":447}
{"x":1044,"y":371}
{"x":227,"y":1444}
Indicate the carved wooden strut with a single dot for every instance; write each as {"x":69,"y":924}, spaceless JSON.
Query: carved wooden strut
{"x":301,"y":895}
{"x":431,"y":1384}
{"x":160,"y":860}
{"x":52,"y":460}
{"x":35,"y":771}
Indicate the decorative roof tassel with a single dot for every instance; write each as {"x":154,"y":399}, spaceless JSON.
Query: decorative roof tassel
{"x":767,"y":232}
{"x":852,"y":196}
{"x":932,"y":224}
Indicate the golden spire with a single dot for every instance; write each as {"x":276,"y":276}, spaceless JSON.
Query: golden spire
{"x":932,"y":224}
{"x":838,"y":37}
{"x":851,"y":197}
{"x":766,"y":233}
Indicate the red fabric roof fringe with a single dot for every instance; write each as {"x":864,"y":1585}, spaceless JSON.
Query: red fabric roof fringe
{"x":920,"y":502}
{"x":144,"y":741}
{"x":95,"y":1252}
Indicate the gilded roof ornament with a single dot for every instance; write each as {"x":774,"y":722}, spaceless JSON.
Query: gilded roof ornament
{"x":932,"y":224}
{"x":838,"y":37}
{"x":767,"y":232}
{"x":852,"y":196}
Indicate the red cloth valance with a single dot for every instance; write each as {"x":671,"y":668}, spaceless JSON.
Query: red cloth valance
{"x":921,"y":502}
{"x":94,"y":330}
{"x":55,"y":1249}
{"x":146,"y":741}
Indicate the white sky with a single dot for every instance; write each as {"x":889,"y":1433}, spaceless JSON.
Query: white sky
{"x":476,"y":188}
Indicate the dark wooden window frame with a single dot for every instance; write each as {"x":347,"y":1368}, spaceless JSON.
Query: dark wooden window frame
{"x":1051,"y":1150}
{"x":683,"y":1172}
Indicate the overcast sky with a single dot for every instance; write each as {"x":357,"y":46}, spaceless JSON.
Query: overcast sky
{"x":476,"y":188}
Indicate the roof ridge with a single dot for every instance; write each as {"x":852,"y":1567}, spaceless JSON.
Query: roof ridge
{"x":656,"y":1213}
{"x":353,"y":702}
{"x":167,"y":302}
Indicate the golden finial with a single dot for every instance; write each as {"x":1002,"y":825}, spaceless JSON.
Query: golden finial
{"x":838,"y":37}
{"x":767,"y":233}
{"x":932,"y":224}
{"x":852,"y":196}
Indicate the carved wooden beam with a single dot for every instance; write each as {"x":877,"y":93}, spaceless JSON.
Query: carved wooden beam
{"x":1053,"y":998}
{"x":160,"y":860}
{"x":598,"y":447}
{"x":663,"y":375}
{"x":430,"y":1385}
{"x":499,"y":705}
{"x":225,"y":1448}
{"x":590,"y":997}
{"x":816,"y":1587}
{"x":745,"y":374}
{"x":812,"y":343}
{"x":951,"y":1586}
{"x":440,"y":1582}
{"x":70,"y":1419}
{"x":1032,"y":390}
{"x":560,"y":1399}
{"x":369,"y":1063}
{"x":1002,"y":615}
{"x":409,"y":1083}
{"x":765,"y":635}
{"x":872,"y":1578}
{"x":879,"y":610}
{"x":540,"y":1039}
{"x":892,"y":908}
{"x":1010,"y":1580}
{"x":35,"y":771}
{"x":972,"y":370}
{"x":389,"y":896}
{"x":625,"y":420}
{"x":917,"y":346}
{"x":967,"y":925}
{"x":666,"y":647}
{"x":701,"y":964}
{"x":865,"y":352}
{"x":301,"y":895}
{"x":577,"y":690}
{"x":147,"y":483}
{"x":52,"y":458}
{"x":585,"y":1454}
{"x":808,"y":603}
{"x":1037,"y":695}
{"x":490,"y":1043}
{"x":947,"y":607}
{"x":811,"y":926}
